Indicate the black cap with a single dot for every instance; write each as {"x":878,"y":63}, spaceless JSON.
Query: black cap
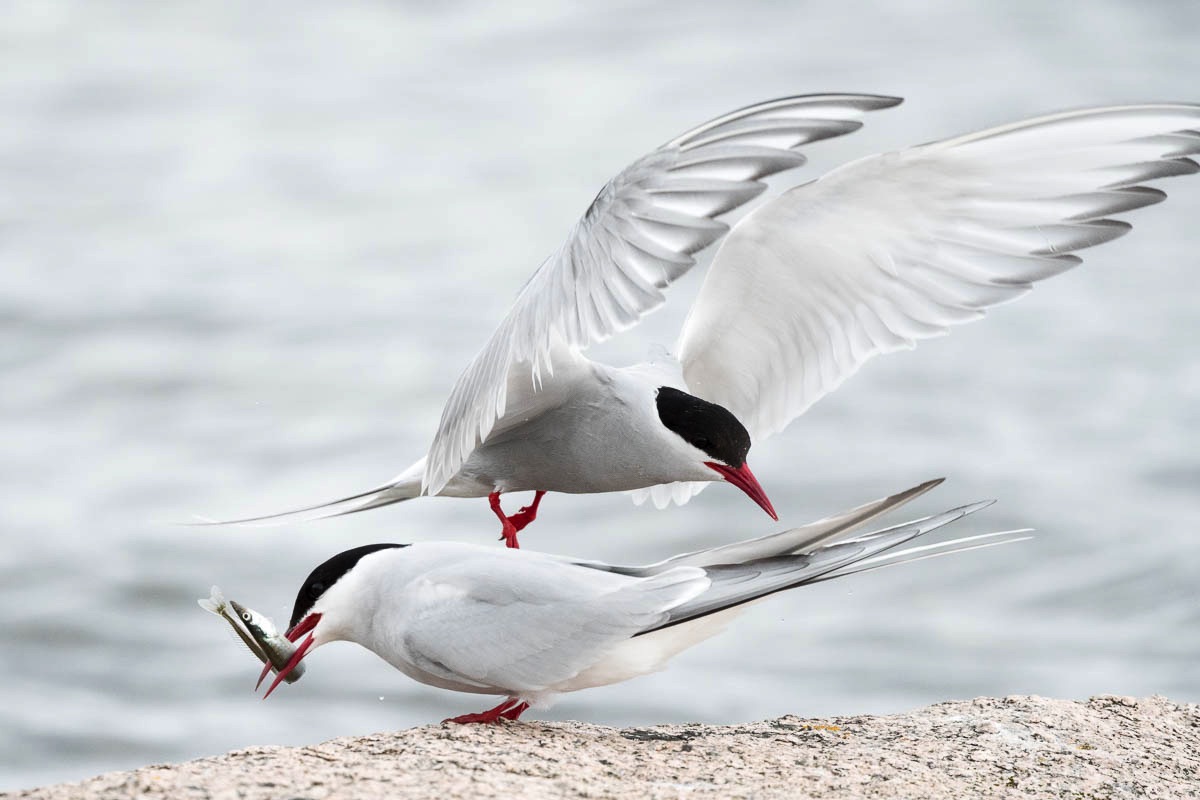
{"x":704,"y":425}
{"x":326,"y":575}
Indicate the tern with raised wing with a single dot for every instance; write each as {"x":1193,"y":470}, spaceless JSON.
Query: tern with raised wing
{"x":530,"y":626}
{"x":867,"y":259}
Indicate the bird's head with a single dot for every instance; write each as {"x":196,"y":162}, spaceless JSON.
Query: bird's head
{"x":721,"y":441}
{"x":328,"y":603}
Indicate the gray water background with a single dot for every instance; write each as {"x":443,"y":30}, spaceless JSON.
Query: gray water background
{"x":245,"y":248}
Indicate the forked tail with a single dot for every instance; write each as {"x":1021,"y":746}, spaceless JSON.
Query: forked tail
{"x":736,"y":583}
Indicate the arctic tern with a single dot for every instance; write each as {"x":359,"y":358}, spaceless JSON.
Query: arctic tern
{"x":867,"y":259}
{"x":529,"y":626}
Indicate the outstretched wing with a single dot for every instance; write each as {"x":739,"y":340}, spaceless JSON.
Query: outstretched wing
{"x":898,"y":247}
{"x":639,"y":235}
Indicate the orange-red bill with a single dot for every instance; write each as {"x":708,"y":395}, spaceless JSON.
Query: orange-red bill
{"x":302,"y":627}
{"x":290,"y":665}
{"x":262,"y":676}
{"x":744,"y":479}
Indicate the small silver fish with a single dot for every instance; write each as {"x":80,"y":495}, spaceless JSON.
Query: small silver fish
{"x":257,"y":632}
{"x":277,"y":648}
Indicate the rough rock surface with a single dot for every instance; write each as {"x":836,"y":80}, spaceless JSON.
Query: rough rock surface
{"x":1108,"y":747}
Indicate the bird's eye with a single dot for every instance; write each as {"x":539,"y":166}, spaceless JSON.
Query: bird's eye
{"x":247,"y":616}
{"x":316,"y":589}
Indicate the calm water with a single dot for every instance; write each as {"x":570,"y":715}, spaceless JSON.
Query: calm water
{"x":244,"y":249}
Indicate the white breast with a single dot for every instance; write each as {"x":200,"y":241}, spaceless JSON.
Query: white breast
{"x":604,"y":436}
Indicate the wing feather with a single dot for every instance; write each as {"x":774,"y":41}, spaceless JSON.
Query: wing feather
{"x":734,"y":584}
{"x":902,"y":246}
{"x":639,"y":235}
{"x":531,"y":624}
{"x":790,"y":542}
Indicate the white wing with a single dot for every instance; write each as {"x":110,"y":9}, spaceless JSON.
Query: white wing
{"x":741,"y":582}
{"x":796,"y":540}
{"x":638,"y":236}
{"x":530,"y":623}
{"x":663,"y":494}
{"x":900,"y":246}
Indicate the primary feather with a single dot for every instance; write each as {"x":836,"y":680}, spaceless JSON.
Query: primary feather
{"x":868,"y":259}
{"x":638,"y":236}
{"x":530,"y":625}
{"x":899,"y":247}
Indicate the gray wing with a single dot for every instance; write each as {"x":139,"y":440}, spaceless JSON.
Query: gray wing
{"x":796,"y":540}
{"x":639,"y":235}
{"x":793,"y":540}
{"x":902,"y":246}
{"x":739,"y":583}
{"x":529,"y":623}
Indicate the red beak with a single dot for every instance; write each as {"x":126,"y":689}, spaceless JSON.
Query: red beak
{"x":262,"y":676}
{"x":305,"y":625}
{"x":744,"y":479}
{"x":290,"y":665}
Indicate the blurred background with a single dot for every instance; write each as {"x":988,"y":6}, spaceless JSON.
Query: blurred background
{"x":246,"y":247}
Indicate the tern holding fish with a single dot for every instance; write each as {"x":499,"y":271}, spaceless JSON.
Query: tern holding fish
{"x":529,"y":626}
{"x":868,"y":259}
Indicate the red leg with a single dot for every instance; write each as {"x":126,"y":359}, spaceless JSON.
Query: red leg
{"x":509,"y":709}
{"x":527,"y":514}
{"x":509,"y":532}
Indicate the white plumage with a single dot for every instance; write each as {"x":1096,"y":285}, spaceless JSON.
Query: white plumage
{"x":868,"y":259}
{"x":639,"y":235}
{"x":530,"y":626}
{"x":899,"y":247}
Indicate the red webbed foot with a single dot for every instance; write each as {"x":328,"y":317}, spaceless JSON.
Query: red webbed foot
{"x":527,"y":514}
{"x":510,"y":709}
{"x":517,"y":522}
